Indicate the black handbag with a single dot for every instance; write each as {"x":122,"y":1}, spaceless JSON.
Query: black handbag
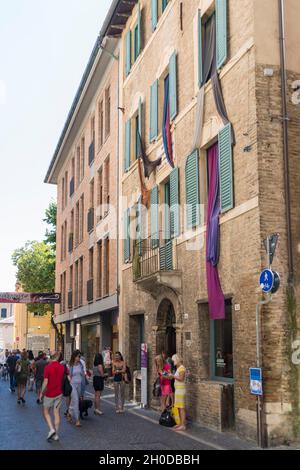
{"x":166,"y":419}
{"x":66,"y":386}
{"x":157,"y":388}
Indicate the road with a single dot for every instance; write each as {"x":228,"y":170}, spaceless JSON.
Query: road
{"x":23,"y":428}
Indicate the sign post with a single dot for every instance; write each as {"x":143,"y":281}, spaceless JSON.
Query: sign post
{"x":144,"y":374}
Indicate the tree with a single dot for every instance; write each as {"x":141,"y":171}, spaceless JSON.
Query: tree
{"x":35,"y":263}
{"x":50,"y":219}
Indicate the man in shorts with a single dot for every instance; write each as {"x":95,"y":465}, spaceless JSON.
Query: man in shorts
{"x":52,"y":393}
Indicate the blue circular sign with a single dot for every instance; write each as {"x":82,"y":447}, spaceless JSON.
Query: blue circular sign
{"x":266,"y":280}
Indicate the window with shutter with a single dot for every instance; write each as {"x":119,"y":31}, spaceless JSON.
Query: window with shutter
{"x":173,"y":85}
{"x":154,"y":13}
{"x":127,"y":145}
{"x":192,"y":190}
{"x":154,"y":218}
{"x":226,"y":173}
{"x":154,"y":111}
{"x":128,"y":53}
{"x":174,"y":203}
{"x":126,"y":240}
{"x":221,"y":32}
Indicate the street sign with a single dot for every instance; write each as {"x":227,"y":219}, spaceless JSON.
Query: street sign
{"x":256,"y":381}
{"x":266,"y":280}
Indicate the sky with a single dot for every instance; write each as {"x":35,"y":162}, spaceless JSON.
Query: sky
{"x":44,"y":48}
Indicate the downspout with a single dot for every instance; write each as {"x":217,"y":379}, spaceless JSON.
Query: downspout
{"x":285,"y":120}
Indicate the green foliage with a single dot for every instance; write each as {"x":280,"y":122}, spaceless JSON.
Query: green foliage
{"x":35,"y":264}
{"x":50,"y":219}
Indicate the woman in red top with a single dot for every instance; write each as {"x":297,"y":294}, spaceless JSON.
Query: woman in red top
{"x":163,"y":370}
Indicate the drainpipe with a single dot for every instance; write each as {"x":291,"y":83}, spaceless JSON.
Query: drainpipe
{"x":285,"y":120}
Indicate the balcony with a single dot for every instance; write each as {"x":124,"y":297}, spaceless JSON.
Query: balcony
{"x":155,"y":265}
{"x":91,"y":153}
{"x":71,"y":242}
{"x":90,"y":220}
{"x":90,"y":290}
{"x":70,"y":299}
{"x":72,"y":186}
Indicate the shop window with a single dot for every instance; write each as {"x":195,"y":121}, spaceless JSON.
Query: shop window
{"x":221,"y":346}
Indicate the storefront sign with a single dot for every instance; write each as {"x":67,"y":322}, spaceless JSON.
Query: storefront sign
{"x":144,"y":374}
{"x":26,"y":298}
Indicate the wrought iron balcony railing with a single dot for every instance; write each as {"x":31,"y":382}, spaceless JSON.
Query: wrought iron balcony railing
{"x":151,"y":256}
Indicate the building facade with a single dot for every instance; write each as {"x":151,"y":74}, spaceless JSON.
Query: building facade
{"x":207,"y":167}
{"x":201,"y":84}
{"x":84,"y":168}
{"x":6,"y":326}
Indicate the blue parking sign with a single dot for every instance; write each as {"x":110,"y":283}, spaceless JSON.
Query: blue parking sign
{"x":256,"y":381}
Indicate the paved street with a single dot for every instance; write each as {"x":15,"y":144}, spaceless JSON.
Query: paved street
{"x":23,"y":428}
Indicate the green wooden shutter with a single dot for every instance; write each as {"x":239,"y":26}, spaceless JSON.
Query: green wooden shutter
{"x":154,"y":13}
{"x":167,"y":213}
{"x":192,"y":190}
{"x":139,"y":42}
{"x":200,"y":52}
{"x":221,"y":39}
{"x":166,"y":257}
{"x":126,"y":240}
{"x":173,"y":85}
{"x":174,"y":201}
{"x":127,"y":145}
{"x":154,"y":111}
{"x":154,"y":218}
{"x":140,"y":111}
{"x":128,"y":53}
{"x":226,"y":174}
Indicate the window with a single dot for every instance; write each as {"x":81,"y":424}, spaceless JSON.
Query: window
{"x":158,"y":97}
{"x":91,"y":263}
{"x":106,"y":268}
{"x":82,"y":158}
{"x":77,"y":224}
{"x":78,"y":174}
{"x":76,"y":283}
{"x":133,"y":127}
{"x":100,"y":195}
{"x":3,"y":312}
{"x":66,"y":189}
{"x":212,"y":32}
{"x":63,"y":292}
{"x":100,"y":124}
{"x":93,"y":129}
{"x":133,"y":44}
{"x":157,"y":9}
{"x":72,"y":181}
{"x":80,"y":294}
{"x":70,"y":293}
{"x":92,"y":193}
{"x":107,"y":112}
{"x":99,"y":269}
{"x":62,"y":243}
{"x":65,"y":239}
{"x":106,"y":185}
{"x":71,"y":234}
{"x":221,"y":345}
{"x":81,"y":217}
{"x":63,"y":194}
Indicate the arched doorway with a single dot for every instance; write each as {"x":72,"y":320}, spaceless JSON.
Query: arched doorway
{"x":166,"y":331}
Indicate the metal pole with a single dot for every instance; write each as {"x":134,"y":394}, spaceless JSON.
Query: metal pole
{"x":260,"y":409}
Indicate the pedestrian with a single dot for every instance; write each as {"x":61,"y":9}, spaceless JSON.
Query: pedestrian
{"x":180,"y":391}
{"x":118,"y":371}
{"x":98,"y":381}
{"x":78,"y":377}
{"x":52,"y":394}
{"x":107,"y":359}
{"x":11,"y":364}
{"x":31,"y":377}
{"x":163,"y":371}
{"x":40,"y":365}
{"x":22,"y":373}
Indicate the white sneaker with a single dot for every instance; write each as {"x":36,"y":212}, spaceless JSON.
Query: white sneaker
{"x":51,"y":434}
{"x":55,"y":437}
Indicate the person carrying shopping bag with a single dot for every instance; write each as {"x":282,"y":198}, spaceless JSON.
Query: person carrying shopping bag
{"x":78,"y":382}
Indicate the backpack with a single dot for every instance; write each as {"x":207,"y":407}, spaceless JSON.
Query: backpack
{"x":128,"y":375}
